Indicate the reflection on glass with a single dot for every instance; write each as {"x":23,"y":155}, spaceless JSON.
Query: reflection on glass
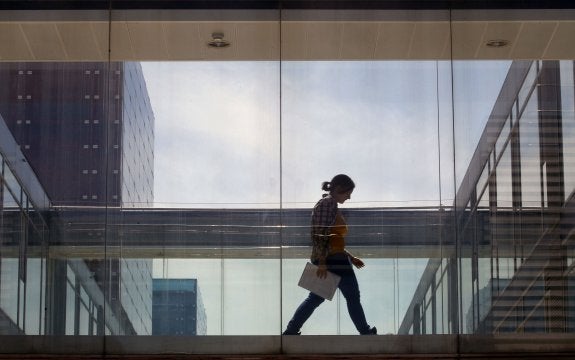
{"x":203,"y":173}
{"x":482,"y":188}
{"x":70,"y":309}
{"x":9,"y":288}
{"x":568,"y":121}
{"x":34,"y":297}
{"x":368,"y":107}
{"x":529,"y":149}
{"x":13,"y":189}
{"x":527,"y":86}
{"x":504,"y":180}
{"x":201,"y":279}
{"x":502,"y":139}
{"x":216,"y":139}
{"x":474,"y":97}
{"x":386,"y":213}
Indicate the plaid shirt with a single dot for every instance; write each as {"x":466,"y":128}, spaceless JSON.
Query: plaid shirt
{"x":322,"y":219}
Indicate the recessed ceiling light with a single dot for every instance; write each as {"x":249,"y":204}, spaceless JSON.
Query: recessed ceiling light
{"x":497,"y":43}
{"x":218,"y":41}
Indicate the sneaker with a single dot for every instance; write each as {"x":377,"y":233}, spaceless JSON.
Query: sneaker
{"x":291,"y":333}
{"x":372,"y":331}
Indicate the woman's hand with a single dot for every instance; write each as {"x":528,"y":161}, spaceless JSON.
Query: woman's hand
{"x":357,"y":262}
{"x":321,"y":271}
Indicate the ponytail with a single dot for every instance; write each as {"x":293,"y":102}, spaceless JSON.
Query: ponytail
{"x":340,"y":183}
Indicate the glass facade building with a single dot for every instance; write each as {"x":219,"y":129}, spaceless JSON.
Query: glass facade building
{"x":515,"y":223}
{"x":178,"y":308}
{"x":151,"y":144}
{"x":60,"y":109}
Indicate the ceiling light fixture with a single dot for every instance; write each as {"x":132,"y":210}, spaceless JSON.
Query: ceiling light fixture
{"x":218,"y":40}
{"x":498,"y":43}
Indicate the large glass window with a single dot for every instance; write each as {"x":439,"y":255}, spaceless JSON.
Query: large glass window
{"x":160,"y":162}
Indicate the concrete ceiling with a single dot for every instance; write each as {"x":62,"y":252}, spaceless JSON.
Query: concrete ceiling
{"x":403,"y":36}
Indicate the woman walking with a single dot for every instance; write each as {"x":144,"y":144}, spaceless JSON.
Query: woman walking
{"x":328,"y":231}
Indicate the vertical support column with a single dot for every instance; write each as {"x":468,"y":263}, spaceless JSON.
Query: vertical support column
{"x":100,"y":316}
{"x":416,"y":320}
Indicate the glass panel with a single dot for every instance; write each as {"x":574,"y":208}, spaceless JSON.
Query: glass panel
{"x":476,"y":87}
{"x":83,"y":321}
{"x":529,"y":149}
{"x":483,"y":188}
{"x":12,"y":185}
{"x":503,"y":137}
{"x":512,"y":247}
{"x":504,"y":180}
{"x":347,"y":108}
{"x":503,"y":223}
{"x":568,"y":120}
{"x":34,"y":291}
{"x":53,"y":134}
{"x":9,"y":289}
{"x":429,"y":320}
{"x":440,"y":327}
{"x":70,"y":310}
{"x":531,"y":196}
{"x":484,"y":295}
{"x":348,"y":116}
{"x":198,"y":132}
{"x":528,"y":86}
{"x":477,"y":91}
{"x":9,"y":265}
{"x":487,"y":91}
{"x":227,"y":164}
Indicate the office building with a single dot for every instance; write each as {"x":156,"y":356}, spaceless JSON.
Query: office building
{"x":178,"y":308}
{"x":514,"y":216}
{"x":96,"y":121}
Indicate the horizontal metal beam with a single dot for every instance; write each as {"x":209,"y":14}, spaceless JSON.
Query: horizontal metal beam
{"x":514,"y":346}
{"x":270,"y":252}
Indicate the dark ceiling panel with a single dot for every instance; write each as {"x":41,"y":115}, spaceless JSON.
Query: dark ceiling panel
{"x":286,"y":4}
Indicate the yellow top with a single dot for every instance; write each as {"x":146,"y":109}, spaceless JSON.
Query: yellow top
{"x":338,"y":233}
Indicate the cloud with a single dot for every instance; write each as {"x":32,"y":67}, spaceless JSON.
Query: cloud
{"x":217,"y":138}
{"x":367,"y":131}
{"x":219,"y":127}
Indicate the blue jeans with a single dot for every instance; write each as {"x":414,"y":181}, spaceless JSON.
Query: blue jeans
{"x":340,"y":265}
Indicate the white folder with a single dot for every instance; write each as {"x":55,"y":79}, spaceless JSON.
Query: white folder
{"x":323,"y":287}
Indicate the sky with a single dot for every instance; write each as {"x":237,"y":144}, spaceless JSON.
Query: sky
{"x":247,"y":134}
{"x":257,"y":134}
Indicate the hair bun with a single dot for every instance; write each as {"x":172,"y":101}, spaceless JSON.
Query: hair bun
{"x":326,"y":186}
